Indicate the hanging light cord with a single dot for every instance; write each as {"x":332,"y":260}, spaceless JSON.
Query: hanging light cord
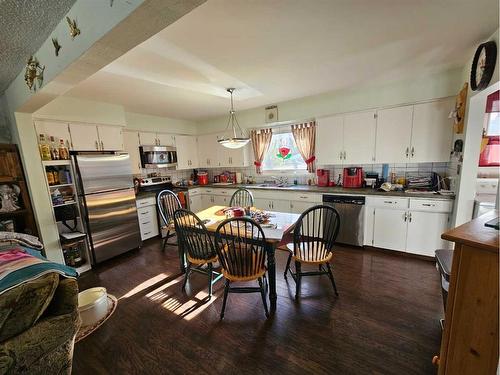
{"x":232,"y":118}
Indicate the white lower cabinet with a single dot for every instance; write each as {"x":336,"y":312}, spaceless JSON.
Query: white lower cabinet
{"x":411,"y":225}
{"x":424,"y":232}
{"x":148,"y":220}
{"x":195,"y":200}
{"x":389,"y":230}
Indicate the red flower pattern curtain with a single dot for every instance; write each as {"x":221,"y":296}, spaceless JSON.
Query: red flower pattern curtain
{"x":305,"y":138}
{"x":261,"y":139}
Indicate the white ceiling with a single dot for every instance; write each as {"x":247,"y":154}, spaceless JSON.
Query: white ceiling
{"x":277,"y":50}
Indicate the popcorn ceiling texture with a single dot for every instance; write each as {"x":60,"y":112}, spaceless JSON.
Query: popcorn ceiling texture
{"x":24,"y":26}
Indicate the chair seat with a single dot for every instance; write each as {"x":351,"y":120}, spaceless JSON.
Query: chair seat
{"x":235,"y":278}
{"x":201,"y":261}
{"x":315,"y":254}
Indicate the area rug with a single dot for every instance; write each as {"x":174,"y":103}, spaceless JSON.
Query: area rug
{"x":84,"y":331}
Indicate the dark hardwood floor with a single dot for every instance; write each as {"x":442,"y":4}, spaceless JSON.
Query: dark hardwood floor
{"x":385,"y":321}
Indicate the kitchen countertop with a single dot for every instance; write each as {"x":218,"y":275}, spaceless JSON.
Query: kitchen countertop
{"x":328,"y":190}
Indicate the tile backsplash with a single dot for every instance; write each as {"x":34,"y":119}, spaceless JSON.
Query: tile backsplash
{"x":401,"y":170}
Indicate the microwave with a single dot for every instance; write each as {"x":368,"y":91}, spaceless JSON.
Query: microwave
{"x":158,"y":156}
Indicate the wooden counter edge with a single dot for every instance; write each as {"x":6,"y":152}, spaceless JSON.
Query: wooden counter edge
{"x":475,"y":234}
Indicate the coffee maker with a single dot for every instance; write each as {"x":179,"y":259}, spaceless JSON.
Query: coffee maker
{"x":353,"y":177}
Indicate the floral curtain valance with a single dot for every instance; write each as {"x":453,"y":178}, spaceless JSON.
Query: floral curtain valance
{"x":305,"y":138}
{"x":261,"y":139}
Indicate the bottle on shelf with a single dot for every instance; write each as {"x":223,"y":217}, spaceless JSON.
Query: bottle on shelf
{"x":63,"y":150}
{"x":50,"y":176}
{"x":54,"y":149}
{"x":44,"y":147}
{"x":55,"y":173}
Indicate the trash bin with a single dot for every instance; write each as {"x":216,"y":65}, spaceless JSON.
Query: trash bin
{"x":444,"y":259}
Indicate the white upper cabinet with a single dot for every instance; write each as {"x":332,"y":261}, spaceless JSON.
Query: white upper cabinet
{"x":330,"y":140}
{"x":432,"y":132}
{"x":84,"y":137}
{"x":207,"y":151}
{"x":187,"y":153}
{"x":393,"y":134}
{"x":131,"y":146}
{"x":59,"y":130}
{"x":147,"y":139}
{"x":165,"y":139}
{"x":359,"y":137}
{"x":238,"y":157}
{"x":110,"y":137}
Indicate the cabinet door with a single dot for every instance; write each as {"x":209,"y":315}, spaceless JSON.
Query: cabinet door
{"x":239,"y":157}
{"x":389,"y":229}
{"x":220,"y":200}
{"x":207,"y":151}
{"x":330,"y":140}
{"x":280,"y":205}
{"x":206,"y":201}
{"x":297,"y":207}
{"x":359,"y":137}
{"x":57,"y":129}
{"x":195,"y":203}
{"x":147,"y":139}
{"x":131,"y":145}
{"x":165,"y":139}
{"x":432,"y":132}
{"x":185,"y":151}
{"x":392,"y":142}
{"x":262,"y":203}
{"x":424,"y":232}
{"x":110,"y":137}
{"x":84,"y":137}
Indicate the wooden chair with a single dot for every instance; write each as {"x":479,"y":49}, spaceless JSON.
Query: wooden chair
{"x":241,"y":198}
{"x":313,"y":239}
{"x":168,"y":203}
{"x":241,"y":247}
{"x":197,"y":245}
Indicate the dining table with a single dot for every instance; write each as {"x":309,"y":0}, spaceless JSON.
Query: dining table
{"x":278,"y":231}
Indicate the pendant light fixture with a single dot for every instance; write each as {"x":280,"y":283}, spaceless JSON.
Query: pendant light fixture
{"x":230,"y":138}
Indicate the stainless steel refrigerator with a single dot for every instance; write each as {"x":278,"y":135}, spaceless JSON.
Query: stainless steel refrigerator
{"x":107,"y":201}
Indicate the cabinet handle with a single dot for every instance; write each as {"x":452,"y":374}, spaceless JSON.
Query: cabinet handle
{"x":340,"y":155}
{"x":146,"y":222}
{"x":389,"y":202}
{"x":146,"y":233}
{"x":406,"y":216}
{"x":407,"y":151}
{"x":428,"y":205}
{"x":412,"y":151}
{"x":96,"y":145}
{"x":409,"y":217}
{"x":102,"y":145}
{"x":144,"y":213}
{"x":302,"y":197}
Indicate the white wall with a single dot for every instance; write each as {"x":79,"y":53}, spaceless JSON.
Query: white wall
{"x":72,"y":109}
{"x":473,"y":127}
{"x":138,"y":121}
{"x":359,"y":98}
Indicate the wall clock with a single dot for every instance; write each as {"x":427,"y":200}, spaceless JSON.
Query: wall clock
{"x":483,"y":65}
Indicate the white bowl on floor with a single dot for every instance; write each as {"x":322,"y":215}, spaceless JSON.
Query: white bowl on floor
{"x":92,"y":305}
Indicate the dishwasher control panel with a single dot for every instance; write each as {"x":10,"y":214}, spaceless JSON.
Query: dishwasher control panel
{"x":344,"y":199}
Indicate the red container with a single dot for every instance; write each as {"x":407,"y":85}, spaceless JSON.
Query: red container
{"x":238,"y":212}
{"x":353,"y":177}
{"x":202,"y":178}
{"x":323,"y":177}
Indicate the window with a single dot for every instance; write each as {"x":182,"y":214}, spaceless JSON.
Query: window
{"x":283,"y":154}
{"x":490,"y":144}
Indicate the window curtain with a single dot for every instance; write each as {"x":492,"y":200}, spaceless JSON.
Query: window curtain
{"x":261,"y":139}
{"x":305,"y":138}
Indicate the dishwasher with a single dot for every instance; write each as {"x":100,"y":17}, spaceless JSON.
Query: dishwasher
{"x":352,"y":214}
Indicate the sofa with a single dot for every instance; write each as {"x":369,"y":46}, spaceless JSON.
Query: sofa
{"x":38,"y":323}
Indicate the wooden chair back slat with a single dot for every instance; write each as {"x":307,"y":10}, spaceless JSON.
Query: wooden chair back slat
{"x":167,"y":203}
{"x":241,"y":247}
{"x":315,"y":232}
{"x":241,"y":198}
{"x":193,"y":234}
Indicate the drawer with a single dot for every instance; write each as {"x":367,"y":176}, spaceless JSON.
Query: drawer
{"x":431,"y":205}
{"x":194,"y":192}
{"x":306,"y":197}
{"x":146,"y":214}
{"x":226,"y":192}
{"x":271,"y":194}
{"x":144,"y":202}
{"x":148,"y":232}
{"x":387,"y":202}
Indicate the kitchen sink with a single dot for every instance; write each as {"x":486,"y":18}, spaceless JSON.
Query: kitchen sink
{"x":273,"y":185}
